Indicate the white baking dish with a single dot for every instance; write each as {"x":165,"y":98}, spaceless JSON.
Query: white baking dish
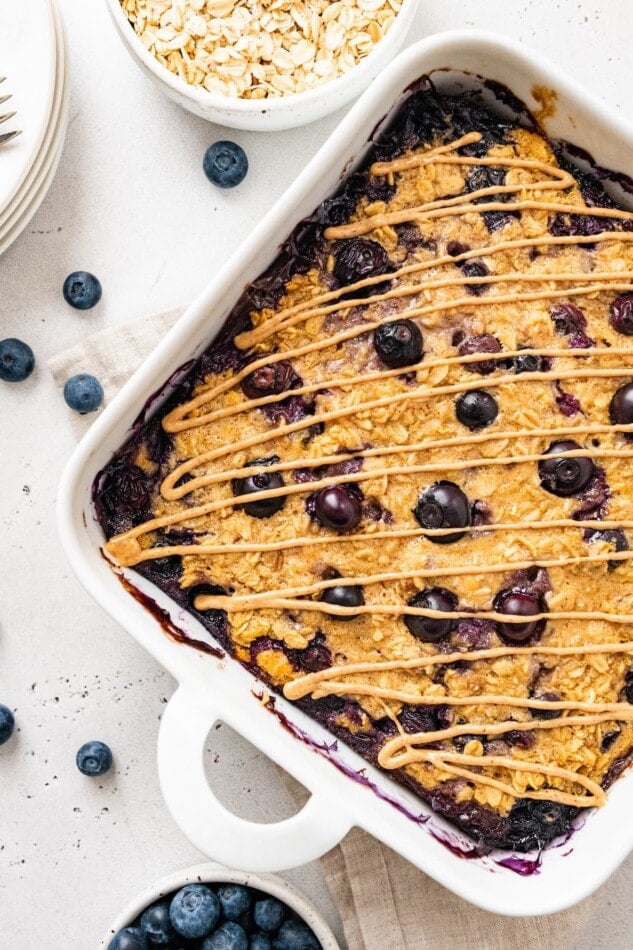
{"x":211,"y":688}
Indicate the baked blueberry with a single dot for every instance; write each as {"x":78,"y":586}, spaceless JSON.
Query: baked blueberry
{"x":264,"y":481}
{"x":83,"y":393}
{"x":295,"y":935}
{"x":155,"y":923}
{"x":344,"y":595}
{"x":7,"y":723}
{"x":268,"y":914}
{"x":431,"y":629}
{"x":398,"y":343}
{"x":472,"y":268}
{"x":82,"y":290}
{"x":621,"y":408}
{"x":269,"y":380}
{"x":518,"y":603}
{"x":337,"y":508}
{"x":532,"y":824}
{"x":132,"y":938}
{"x":235,"y":899}
{"x":476,"y":409}
{"x":549,"y":697}
{"x":225,"y":164}
{"x":228,"y":936}
{"x":527,"y":363}
{"x":17,"y":360}
{"x":94,"y":758}
{"x":357,"y":258}
{"x":621,"y":315}
{"x":443,"y":505}
{"x":486,"y":343}
{"x":565,"y":476}
{"x":194,"y":911}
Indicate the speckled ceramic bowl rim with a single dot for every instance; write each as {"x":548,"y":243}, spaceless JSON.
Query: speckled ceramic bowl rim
{"x":216,"y":874}
{"x":278,"y":104}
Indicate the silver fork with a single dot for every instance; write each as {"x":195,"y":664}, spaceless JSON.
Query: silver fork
{"x":7,"y":136}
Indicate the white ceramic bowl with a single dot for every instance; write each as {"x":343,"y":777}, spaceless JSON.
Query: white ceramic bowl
{"x":214,"y":874}
{"x":268,"y":115}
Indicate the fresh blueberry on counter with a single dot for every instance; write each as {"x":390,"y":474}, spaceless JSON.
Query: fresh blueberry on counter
{"x":269,"y":912}
{"x":260,"y":942}
{"x":294,"y":935}
{"x":7,"y":724}
{"x":228,"y":936}
{"x":194,"y":911}
{"x":129,"y":939}
{"x":155,"y":923}
{"x":83,"y":393}
{"x":94,"y":758}
{"x":235,"y":900}
{"x":225,"y":164}
{"x":16,"y":360}
{"x":82,"y":290}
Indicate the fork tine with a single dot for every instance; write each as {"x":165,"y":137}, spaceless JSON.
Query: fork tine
{"x":9,"y":115}
{"x":5,"y":98}
{"x":7,"y":136}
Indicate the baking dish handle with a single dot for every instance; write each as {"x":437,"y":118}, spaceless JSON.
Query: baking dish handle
{"x":210,"y":826}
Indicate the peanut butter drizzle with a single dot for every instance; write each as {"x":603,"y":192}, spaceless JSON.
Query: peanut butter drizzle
{"x":273,"y":325}
{"x":175,"y":421}
{"x":193,"y":550}
{"x":272,"y":599}
{"x":407,"y":749}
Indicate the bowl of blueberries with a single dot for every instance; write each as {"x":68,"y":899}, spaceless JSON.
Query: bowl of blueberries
{"x":209,"y":907}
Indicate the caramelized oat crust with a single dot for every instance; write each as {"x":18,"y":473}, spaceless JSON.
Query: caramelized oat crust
{"x":446,"y":584}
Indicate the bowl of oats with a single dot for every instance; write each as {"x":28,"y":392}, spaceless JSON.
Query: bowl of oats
{"x":262,"y":64}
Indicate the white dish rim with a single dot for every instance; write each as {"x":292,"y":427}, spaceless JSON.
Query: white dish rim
{"x":337,"y":803}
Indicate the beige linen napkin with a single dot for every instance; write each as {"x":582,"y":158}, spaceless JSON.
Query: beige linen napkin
{"x":385,"y":903}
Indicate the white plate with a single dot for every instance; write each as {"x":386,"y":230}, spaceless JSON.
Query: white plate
{"x":37,"y":183}
{"x":28,"y":55}
{"x":345,"y":789}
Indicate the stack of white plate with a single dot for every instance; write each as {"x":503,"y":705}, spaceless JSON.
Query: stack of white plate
{"x":33,"y":60}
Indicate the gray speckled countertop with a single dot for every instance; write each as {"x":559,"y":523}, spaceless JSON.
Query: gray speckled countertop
{"x":130,"y":203}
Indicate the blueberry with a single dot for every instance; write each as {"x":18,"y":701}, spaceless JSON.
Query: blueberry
{"x":431,"y":629}
{"x":476,"y":409}
{"x":225,"y":164}
{"x":16,"y":360}
{"x":357,"y":259}
{"x":83,"y":393}
{"x":443,"y":505}
{"x":398,"y":343}
{"x":260,"y":942}
{"x":269,"y":912}
{"x":94,"y":758}
{"x":473,"y":268}
{"x":565,"y":476}
{"x":519,"y":603}
{"x":532,"y":824}
{"x":156,"y":924}
{"x":235,"y":899}
{"x":82,"y":290}
{"x":194,"y":911}
{"x":337,"y":508}
{"x":265,"y":481}
{"x":538,"y":713}
{"x":527,"y":364}
{"x":129,"y":939}
{"x":486,"y":343}
{"x":621,"y":315}
{"x":621,"y":408}
{"x":295,"y":935}
{"x":7,"y":724}
{"x":269,"y":380}
{"x":228,"y":936}
{"x":342,"y":596}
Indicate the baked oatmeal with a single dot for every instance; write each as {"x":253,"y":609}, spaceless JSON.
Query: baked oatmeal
{"x":397,"y":486}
